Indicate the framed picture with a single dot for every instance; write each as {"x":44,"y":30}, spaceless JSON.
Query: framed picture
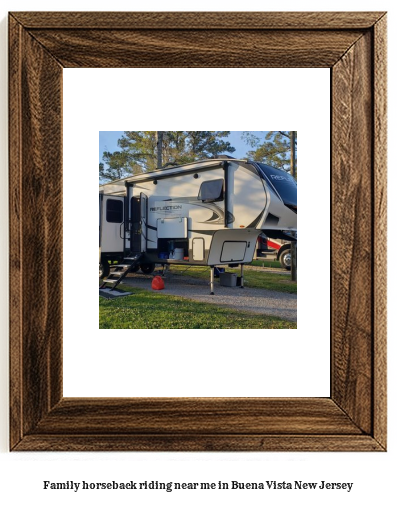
{"x":353,"y":46}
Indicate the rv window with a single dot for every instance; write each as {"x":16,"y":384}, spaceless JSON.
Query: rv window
{"x":114,"y":211}
{"x":211,"y":191}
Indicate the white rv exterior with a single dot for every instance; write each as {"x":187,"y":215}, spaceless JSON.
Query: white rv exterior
{"x":206,"y":213}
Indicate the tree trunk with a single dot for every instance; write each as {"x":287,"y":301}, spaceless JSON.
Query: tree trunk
{"x":159,"y":137}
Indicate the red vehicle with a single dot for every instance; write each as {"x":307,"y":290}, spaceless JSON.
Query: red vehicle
{"x":272,"y":248}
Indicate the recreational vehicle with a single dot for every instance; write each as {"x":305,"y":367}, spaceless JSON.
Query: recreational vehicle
{"x":207,"y":213}
{"x":269,"y":248}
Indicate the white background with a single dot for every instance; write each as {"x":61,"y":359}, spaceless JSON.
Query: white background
{"x":21,"y":475}
{"x":196,"y":363}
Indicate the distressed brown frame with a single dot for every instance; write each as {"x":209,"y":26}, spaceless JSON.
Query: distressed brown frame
{"x":353,"y":46}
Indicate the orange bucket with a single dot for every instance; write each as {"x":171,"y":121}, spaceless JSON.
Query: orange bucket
{"x":157,"y":283}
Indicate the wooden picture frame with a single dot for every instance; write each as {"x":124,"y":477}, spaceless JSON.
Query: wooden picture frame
{"x":353,"y":46}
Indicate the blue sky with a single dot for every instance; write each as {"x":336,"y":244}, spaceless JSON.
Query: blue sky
{"x":108,"y":142}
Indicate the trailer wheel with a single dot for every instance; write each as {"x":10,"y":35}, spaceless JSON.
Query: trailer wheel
{"x":285,"y":259}
{"x":147,"y":269}
{"x":104,"y":269}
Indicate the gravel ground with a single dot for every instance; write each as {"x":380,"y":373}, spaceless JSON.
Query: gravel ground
{"x":267,"y":302}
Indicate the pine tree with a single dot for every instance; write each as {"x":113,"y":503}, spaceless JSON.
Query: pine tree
{"x":274,"y":151}
{"x":139,"y":151}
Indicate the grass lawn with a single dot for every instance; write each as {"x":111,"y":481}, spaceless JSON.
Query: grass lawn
{"x":147,"y":310}
{"x":252,"y":277}
{"x":266,"y":263}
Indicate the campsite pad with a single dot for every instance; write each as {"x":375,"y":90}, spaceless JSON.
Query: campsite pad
{"x":111,"y":294}
{"x":262,"y":301}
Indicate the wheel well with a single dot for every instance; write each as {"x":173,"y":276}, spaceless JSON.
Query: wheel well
{"x":285,"y":247}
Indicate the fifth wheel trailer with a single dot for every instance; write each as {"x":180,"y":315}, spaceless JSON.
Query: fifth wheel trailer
{"x":207,"y":213}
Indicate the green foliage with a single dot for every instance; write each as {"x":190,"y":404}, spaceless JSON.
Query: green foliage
{"x":274,"y":151}
{"x":251,"y":139}
{"x":252,"y":277}
{"x":139,"y":151}
{"x":118,"y":165}
{"x":206,"y":144}
{"x":266,"y":263}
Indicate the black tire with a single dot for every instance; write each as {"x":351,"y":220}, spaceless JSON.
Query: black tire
{"x":148,"y":269}
{"x":104,"y":269}
{"x":285,"y":259}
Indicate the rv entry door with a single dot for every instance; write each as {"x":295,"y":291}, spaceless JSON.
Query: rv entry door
{"x":138,"y":223}
{"x":144,"y":202}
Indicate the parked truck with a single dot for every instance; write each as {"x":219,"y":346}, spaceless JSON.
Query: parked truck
{"x":280,"y":250}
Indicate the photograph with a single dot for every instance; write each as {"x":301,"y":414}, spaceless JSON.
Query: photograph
{"x":187,"y":219}
{"x":182,"y":382}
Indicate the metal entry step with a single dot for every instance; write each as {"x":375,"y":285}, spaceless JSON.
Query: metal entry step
{"x":120,"y":271}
